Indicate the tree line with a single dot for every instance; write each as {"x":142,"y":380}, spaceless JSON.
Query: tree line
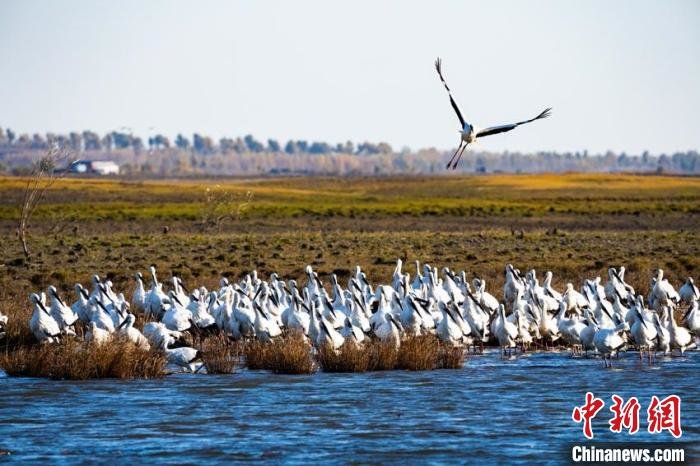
{"x":200,"y":155}
{"x":87,"y":141}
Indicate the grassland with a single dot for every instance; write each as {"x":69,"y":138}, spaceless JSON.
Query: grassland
{"x":575,"y":225}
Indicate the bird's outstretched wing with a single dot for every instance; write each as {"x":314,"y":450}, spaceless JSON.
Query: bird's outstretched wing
{"x":438,"y":64}
{"x":504,"y":128}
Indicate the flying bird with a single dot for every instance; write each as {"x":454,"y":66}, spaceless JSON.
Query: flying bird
{"x":469,"y":132}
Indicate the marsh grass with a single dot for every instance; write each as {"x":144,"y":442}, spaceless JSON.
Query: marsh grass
{"x":349,"y":358}
{"x":450,"y":357}
{"x":74,"y":360}
{"x":219,"y":354}
{"x":257,"y":355}
{"x":17,"y":332}
{"x":289,"y":354}
{"x":419,"y":353}
{"x":383,"y":356}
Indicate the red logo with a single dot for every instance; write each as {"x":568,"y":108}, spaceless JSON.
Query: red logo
{"x":661,"y":415}
{"x":626,"y":415}
{"x":665,"y":415}
{"x":587,"y":412}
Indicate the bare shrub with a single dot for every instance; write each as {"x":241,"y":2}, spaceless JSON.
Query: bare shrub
{"x":220,"y":205}
{"x":40,"y":179}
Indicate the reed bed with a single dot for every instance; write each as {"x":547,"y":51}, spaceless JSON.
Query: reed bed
{"x":383,"y":356}
{"x":219,"y":354}
{"x":290,"y":354}
{"x":450,"y":357}
{"x":75,"y":360}
{"x":420,"y":353}
{"x":348,"y":358}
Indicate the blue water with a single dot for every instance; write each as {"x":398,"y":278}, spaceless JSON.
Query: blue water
{"x":491,"y":411}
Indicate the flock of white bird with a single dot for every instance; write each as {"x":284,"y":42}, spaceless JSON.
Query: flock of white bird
{"x":603,"y":319}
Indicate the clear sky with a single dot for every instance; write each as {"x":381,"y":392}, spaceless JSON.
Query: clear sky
{"x":620,"y":75}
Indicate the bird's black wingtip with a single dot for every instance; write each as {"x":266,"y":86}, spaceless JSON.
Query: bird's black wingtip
{"x":438,"y":64}
{"x":547,"y":112}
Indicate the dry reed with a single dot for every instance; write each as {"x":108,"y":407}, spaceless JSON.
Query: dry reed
{"x":290,"y":354}
{"x":74,"y":360}
{"x":349,"y":358}
{"x":219,"y":353}
{"x":383,"y":356}
{"x":450,"y":357}
{"x":419,"y":353}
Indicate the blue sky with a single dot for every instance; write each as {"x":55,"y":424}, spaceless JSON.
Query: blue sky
{"x":620,"y":75}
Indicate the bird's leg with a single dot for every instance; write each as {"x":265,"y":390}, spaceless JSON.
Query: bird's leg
{"x":453,"y":155}
{"x":454,"y":165}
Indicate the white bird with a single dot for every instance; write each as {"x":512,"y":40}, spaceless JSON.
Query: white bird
{"x":663,"y":336}
{"x":609,"y":341}
{"x":352,"y":332}
{"x":663,"y":292}
{"x":506,"y":332}
{"x":469,"y":133}
{"x":61,"y":312}
{"x":127,"y":330}
{"x":3,"y":325}
{"x":389,"y":331}
{"x":689,"y":292}
{"x":643,"y":332}
{"x":680,"y":336}
{"x":574,"y":299}
{"x":177,"y":317}
{"x":692,"y":318}
{"x":328,"y":336}
{"x":138,"y":299}
{"x":184,"y":356}
{"x":101,"y":316}
{"x":448,"y":330}
{"x":97,"y":335}
{"x":82,"y":305}
{"x":43,"y":325}
{"x":157,"y":333}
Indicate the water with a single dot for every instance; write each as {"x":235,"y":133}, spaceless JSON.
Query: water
{"x":491,"y":411}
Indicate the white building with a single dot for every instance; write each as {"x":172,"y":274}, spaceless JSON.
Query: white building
{"x":95,"y":167}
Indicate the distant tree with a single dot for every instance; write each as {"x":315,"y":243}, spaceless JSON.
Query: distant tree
{"x":202,"y":144}
{"x":23,"y":140}
{"x":107,"y":142}
{"x":122,"y":140}
{"x":162,"y":142}
{"x":76,"y":142}
{"x":137,"y":144}
{"x":273,"y":145}
{"x":252,"y":144}
{"x":10,"y":136}
{"x":181,"y":142}
{"x":349,"y":147}
{"x":290,"y":147}
{"x":38,"y":142}
{"x":319,"y":148}
{"x":226,"y":145}
{"x":92,"y":140}
{"x":384,"y":148}
{"x":3,"y":138}
{"x":302,"y":146}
